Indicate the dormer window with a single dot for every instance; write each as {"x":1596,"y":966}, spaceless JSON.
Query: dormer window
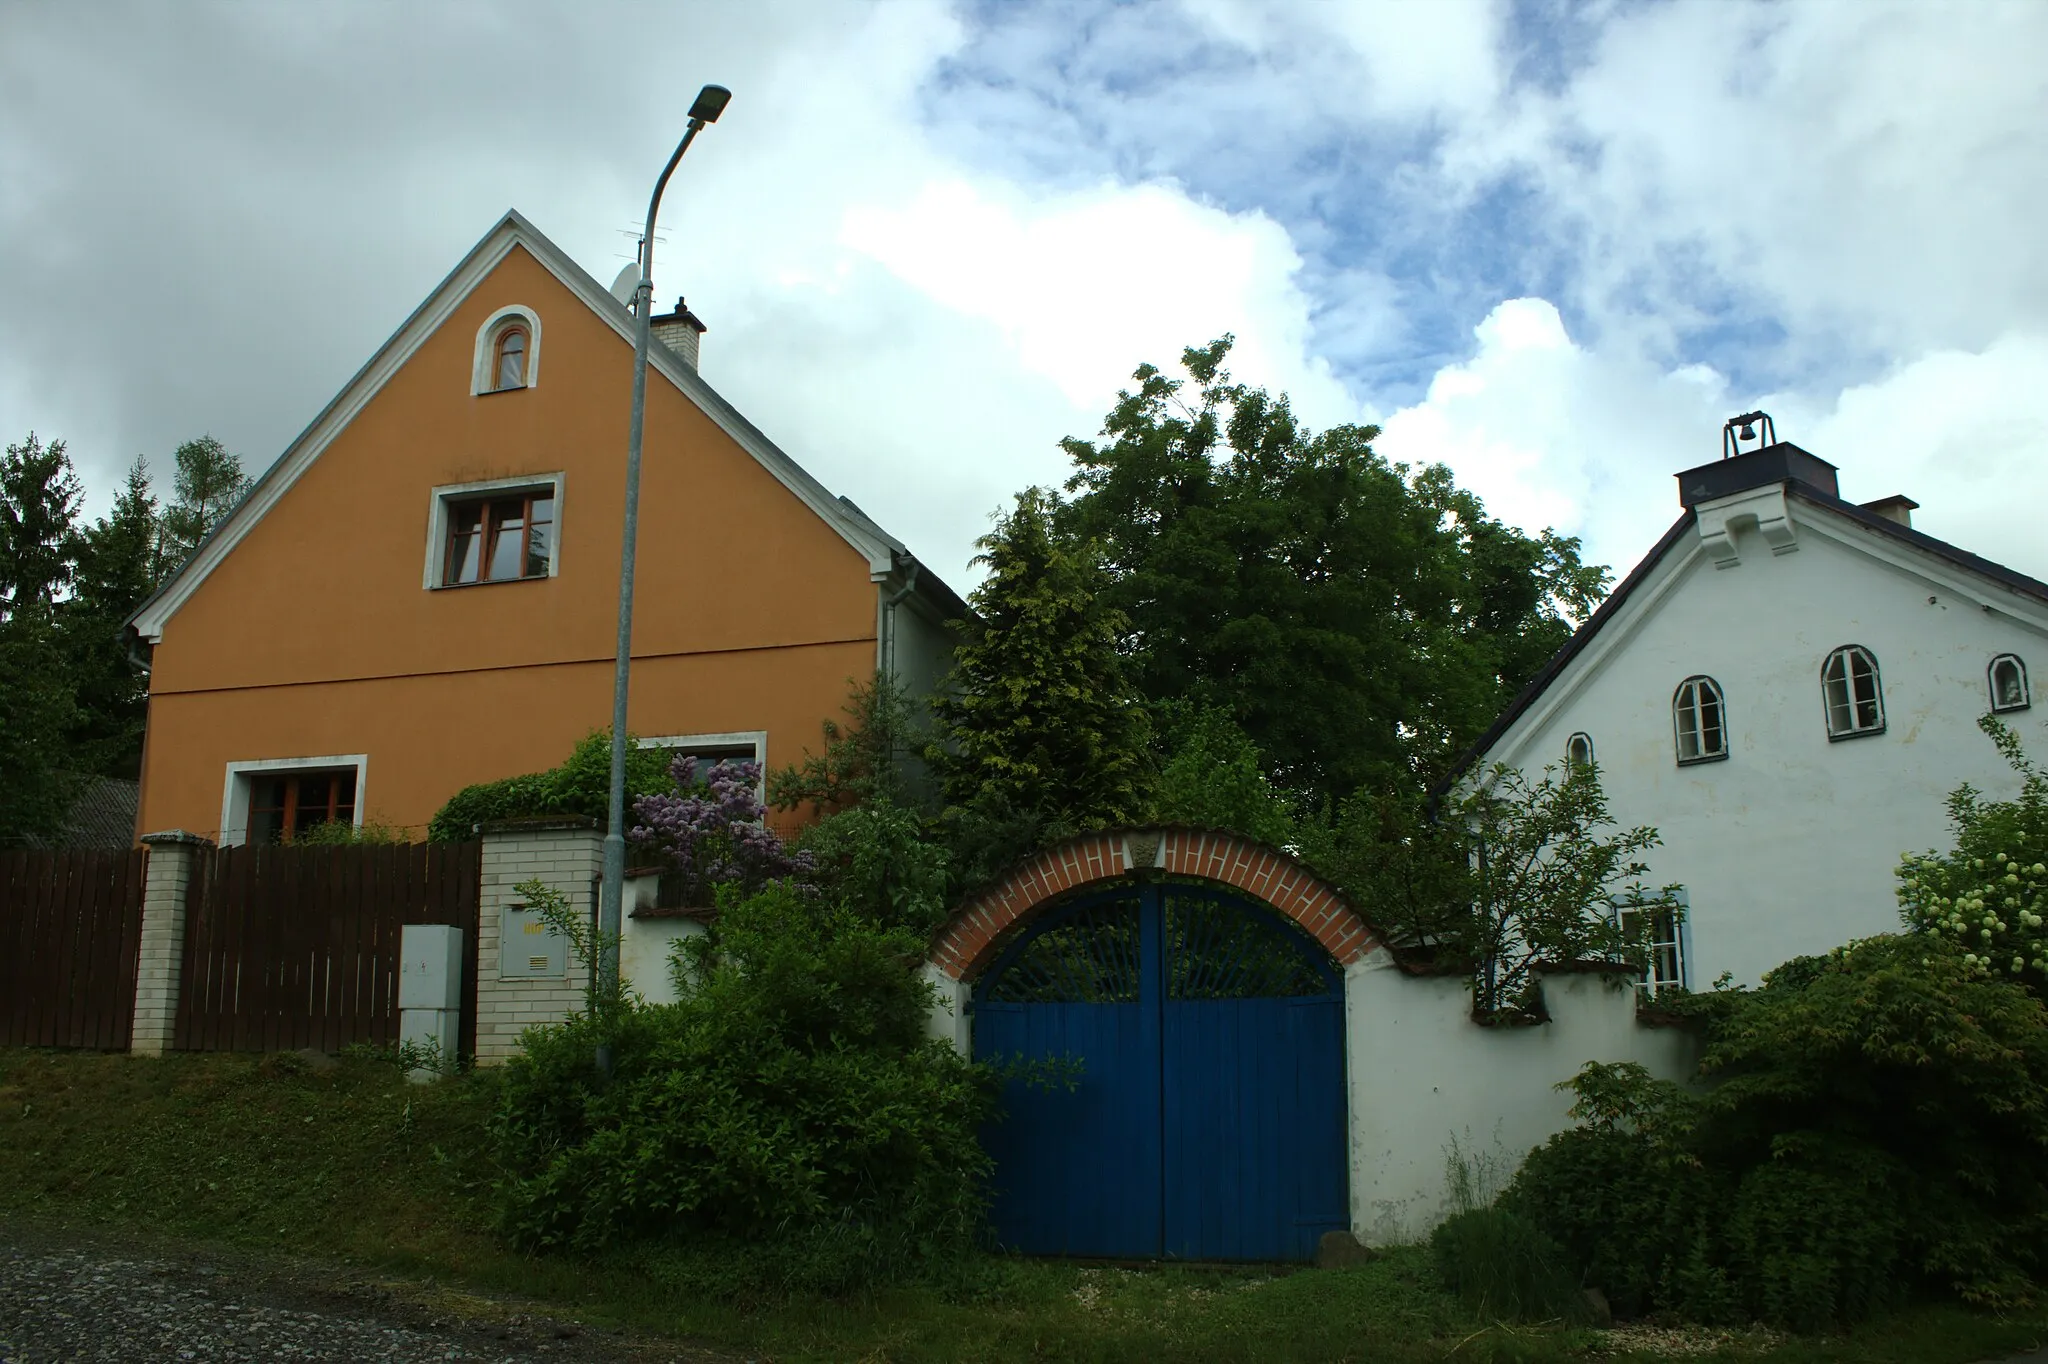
{"x":1854,"y":695}
{"x":2008,"y":677}
{"x":510,"y":361}
{"x":1578,"y":752}
{"x":1699,"y":719}
{"x":507,"y":352}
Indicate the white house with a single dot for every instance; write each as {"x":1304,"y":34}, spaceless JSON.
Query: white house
{"x":1786,"y":688}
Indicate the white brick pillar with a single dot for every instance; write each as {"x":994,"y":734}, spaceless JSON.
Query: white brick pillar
{"x":173,"y":866}
{"x":529,"y":978}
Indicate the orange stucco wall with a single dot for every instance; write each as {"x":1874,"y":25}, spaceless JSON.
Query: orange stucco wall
{"x":315,"y":636}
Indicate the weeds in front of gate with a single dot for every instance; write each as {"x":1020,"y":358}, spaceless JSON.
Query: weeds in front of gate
{"x":289,"y":1156}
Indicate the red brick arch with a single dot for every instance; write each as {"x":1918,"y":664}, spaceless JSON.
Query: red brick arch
{"x":976,"y":932}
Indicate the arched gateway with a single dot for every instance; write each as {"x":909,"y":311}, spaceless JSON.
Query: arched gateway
{"x":1194,"y":982}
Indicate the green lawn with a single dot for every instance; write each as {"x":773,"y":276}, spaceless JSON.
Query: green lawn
{"x":351,"y":1164}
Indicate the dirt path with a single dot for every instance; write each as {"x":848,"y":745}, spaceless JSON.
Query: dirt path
{"x":84,"y":1296}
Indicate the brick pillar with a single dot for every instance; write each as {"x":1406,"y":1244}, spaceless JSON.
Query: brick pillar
{"x":173,"y":864}
{"x":518,"y":988}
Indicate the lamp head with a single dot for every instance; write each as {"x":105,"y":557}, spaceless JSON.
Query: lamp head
{"x":710,"y":103}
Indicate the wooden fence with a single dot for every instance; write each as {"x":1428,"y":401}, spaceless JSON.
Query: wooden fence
{"x":290,"y":947}
{"x":70,"y":925}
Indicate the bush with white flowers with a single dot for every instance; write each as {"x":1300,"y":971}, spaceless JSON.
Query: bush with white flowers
{"x":1988,"y":898}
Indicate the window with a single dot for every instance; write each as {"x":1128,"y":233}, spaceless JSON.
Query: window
{"x":499,"y":537}
{"x":1666,"y":967}
{"x":1578,"y":752}
{"x":1700,"y":719}
{"x":507,"y":352}
{"x":2009,"y":683}
{"x":747,"y":745}
{"x":285,"y":804}
{"x":1855,"y":701}
{"x":508,"y":368}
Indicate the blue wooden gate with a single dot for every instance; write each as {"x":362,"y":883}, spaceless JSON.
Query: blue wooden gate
{"x":1192,"y":1100}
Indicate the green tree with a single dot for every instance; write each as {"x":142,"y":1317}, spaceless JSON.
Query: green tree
{"x":209,"y":483}
{"x":119,"y":562}
{"x":1037,"y":717}
{"x":39,"y":500}
{"x":1361,"y":620}
{"x":1210,"y":777}
{"x":36,"y":714}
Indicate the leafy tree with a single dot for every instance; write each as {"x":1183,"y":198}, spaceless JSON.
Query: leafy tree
{"x":868,"y":758}
{"x":210,"y":482}
{"x":1507,"y":876}
{"x":1988,"y":898}
{"x":708,"y":829}
{"x":1361,"y":620}
{"x":1037,"y":718}
{"x":39,"y":500}
{"x":119,"y":563}
{"x":1211,"y":778}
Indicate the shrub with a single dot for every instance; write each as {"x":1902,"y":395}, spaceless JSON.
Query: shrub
{"x":874,"y":860}
{"x":581,"y":786}
{"x":789,"y":1112}
{"x":1504,"y":1268}
{"x":709,"y":830}
{"x":342,"y":833}
{"x":1211,"y":778}
{"x":1877,"y":1128}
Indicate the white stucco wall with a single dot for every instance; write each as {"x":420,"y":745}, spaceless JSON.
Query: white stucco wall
{"x":1423,"y":1075}
{"x":1789,"y":846}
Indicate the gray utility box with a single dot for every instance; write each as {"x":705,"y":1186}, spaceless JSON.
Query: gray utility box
{"x":430,"y":967}
{"x":527,"y":949}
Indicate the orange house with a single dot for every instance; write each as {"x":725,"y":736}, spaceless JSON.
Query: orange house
{"x":422,"y":591}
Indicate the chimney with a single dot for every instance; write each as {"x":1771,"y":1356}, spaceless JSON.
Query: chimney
{"x":1898,"y":507}
{"x":679,"y":331}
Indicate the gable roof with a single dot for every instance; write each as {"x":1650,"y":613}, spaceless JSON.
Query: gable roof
{"x":884,"y":553}
{"x":1884,"y":527}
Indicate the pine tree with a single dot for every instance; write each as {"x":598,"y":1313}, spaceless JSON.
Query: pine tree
{"x":210,"y":482}
{"x":39,"y":500}
{"x":120,"y":559}
{"x":1038,"y":716}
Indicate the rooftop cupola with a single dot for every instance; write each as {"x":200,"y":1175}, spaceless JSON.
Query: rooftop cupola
{"x":679,"y":331}
{"x":1767,"y":461}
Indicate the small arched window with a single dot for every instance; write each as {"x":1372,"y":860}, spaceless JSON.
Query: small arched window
{"x":508,"y":359}
{"x":1854,"y":695}
{"x":2009,"y":683}
{"x":1578,"y":752}
{"x":1700,"y":720}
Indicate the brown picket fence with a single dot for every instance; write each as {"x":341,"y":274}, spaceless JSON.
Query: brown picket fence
{"x":297,"y":947}
{"x":70,"y":926}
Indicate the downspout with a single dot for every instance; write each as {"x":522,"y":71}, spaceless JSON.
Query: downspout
{"x":886,"y":664}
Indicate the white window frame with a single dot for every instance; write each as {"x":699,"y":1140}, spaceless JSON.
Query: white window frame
{"x":1682,"y":705}
{"x":757,"y":739}
{"x":1853,"y":728}
{"x":1572,"y":761}
{"x":483,"y":374}
{"x":442,"y":497}
{"x":2019,"y":665}
{"x":234,"y":800}
{"x":1650,"y":984}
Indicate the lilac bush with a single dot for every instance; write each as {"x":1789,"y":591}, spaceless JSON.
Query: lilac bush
{"x":710,"y":831}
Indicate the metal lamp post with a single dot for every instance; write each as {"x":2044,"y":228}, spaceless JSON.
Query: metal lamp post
{"x":710,"y":103}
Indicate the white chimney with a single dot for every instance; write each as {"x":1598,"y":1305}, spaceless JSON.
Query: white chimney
{"x":679,"y":331}
{"x":1898,"y":507}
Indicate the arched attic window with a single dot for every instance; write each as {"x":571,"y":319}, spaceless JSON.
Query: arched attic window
{"x":507,"y":352}
{"x":1578,"y":752}
{"x":1699,"y":720}
{"x":1855,"y":697}
{"x":2008,"y":678}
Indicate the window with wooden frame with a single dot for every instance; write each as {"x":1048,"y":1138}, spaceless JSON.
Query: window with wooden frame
{"x":508,"y":359}
{"x":2008,"y":678}
{"x":283,"y":805}
{"x":1853,"y":693}
{"x":500,"y":536}
{"x":1699,"y":719}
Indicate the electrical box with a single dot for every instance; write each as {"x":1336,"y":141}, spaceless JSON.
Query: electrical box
{"x":528,"y":949}
{"x":430,"y":967}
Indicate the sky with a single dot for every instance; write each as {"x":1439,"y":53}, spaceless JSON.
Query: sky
{"x":1553,"y":245}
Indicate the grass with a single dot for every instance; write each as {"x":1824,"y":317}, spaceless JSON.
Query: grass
{"x":351,"y":1164}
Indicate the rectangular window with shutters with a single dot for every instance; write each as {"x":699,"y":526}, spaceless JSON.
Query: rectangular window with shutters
{"x":497,"y":532}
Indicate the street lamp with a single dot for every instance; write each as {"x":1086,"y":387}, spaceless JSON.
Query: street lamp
{"x":710,"y":103}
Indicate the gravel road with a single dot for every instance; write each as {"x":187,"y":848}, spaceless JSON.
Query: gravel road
{"x":101,"y":1303}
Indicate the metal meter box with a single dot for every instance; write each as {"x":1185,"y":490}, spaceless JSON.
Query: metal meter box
{"x":527,"y":949}
{"x":430,"y":967}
